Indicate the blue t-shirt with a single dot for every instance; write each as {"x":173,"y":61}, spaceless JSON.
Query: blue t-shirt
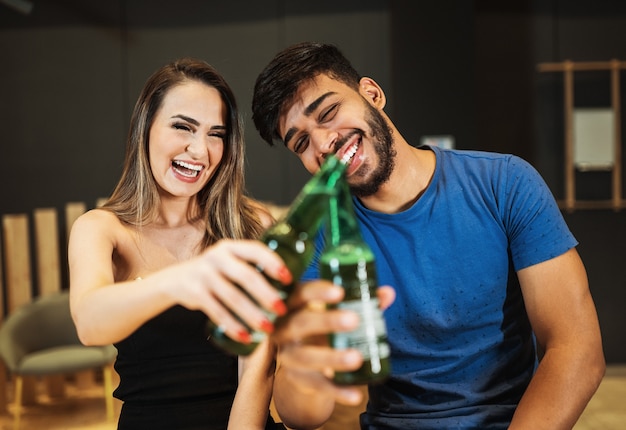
{"x":462,"y":349}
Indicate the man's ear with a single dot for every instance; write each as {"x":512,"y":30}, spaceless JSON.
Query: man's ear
{"x":372,"y":92}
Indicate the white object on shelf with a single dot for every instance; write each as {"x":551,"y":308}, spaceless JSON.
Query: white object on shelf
{"x":593,"y":138}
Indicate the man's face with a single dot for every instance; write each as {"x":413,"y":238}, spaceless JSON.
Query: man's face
{"x":326,"y":116}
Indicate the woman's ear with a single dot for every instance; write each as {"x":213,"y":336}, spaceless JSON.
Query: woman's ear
{"x":372,"y":92}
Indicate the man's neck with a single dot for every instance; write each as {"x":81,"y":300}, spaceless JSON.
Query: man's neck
{"x":412,"y":173}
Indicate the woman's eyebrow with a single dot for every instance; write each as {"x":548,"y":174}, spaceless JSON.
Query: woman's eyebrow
{"x":186,"y":118}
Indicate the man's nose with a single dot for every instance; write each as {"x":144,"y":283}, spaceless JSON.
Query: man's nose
{"x":324,"y":141}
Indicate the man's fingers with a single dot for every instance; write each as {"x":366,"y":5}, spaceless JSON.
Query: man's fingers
{"x":304,"y":323}
{"x":315,"y":292}
{"x":386,"y":296}
{"x":320,"y":358}
{"x":316,"y":382}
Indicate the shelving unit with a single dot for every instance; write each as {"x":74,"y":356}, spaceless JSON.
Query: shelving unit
{"x":567,"y":68}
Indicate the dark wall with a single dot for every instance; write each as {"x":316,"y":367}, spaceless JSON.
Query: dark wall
{"x":433,"y":70}
{"x":584,"y":31}
{"x":71,"y":71}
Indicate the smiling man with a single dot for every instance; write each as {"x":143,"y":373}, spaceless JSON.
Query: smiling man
{"x":483,"y":266}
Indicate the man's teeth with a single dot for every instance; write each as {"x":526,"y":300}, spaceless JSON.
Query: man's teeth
{"x":349,"y":153}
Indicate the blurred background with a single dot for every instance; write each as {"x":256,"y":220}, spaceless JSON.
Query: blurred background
{"x":455,"y":71}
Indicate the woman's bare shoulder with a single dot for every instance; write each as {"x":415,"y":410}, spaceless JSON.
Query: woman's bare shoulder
{"x":99,"y":222}
{"x":98,"y":216}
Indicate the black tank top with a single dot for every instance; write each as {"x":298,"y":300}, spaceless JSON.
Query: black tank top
{"x":171,"y":376}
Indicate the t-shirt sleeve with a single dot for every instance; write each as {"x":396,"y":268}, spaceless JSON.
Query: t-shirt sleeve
{"x":536,"y":228}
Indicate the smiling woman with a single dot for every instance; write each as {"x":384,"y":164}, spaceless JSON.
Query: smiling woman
{"x":187,"y":138}
{"x":166,"y":252}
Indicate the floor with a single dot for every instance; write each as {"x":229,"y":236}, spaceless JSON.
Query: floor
{"x":606,"y":409}
{"x":84,"y":409}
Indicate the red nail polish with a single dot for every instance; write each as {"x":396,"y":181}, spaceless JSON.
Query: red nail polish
{"x":267,"y":326}
{"x":285,"y":275}
{"x":244,"y":336}
{"x":279,"y":307}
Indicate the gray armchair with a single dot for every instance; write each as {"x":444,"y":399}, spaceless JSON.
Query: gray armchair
{"x":40,"y":339}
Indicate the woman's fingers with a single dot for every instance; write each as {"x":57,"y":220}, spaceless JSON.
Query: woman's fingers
{"x":224,"y":282}
{"x":245,"y":263}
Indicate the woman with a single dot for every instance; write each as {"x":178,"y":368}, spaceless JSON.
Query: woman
{"x":167,"y":250}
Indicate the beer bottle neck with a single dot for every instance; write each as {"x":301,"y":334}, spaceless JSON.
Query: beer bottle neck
{"x":308,"y":209}
{"x":342,"y":222}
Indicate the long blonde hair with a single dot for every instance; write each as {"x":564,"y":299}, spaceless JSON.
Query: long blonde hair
{"x":223,"y":205}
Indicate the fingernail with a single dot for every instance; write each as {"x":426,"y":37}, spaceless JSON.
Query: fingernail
{"x":337,"y":292}
{"x":244,"y":336}
{"x":279,"y":307}
{"x":351,"y":396}
{"x":351,"y":358}
{"x":285,"y":275}
{"x":348,"y":320}
{"x":267,"y":326}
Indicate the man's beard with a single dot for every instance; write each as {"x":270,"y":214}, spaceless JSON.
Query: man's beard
{"x":382,"y":137}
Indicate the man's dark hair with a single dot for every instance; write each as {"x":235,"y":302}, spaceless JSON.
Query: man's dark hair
{"x":278,"y":82}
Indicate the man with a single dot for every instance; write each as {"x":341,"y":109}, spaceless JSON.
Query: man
{"x":484,"y":269}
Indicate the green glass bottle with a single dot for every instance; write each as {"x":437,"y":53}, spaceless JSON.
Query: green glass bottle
{"x":348,"y":261}
{"x":292,"y":238}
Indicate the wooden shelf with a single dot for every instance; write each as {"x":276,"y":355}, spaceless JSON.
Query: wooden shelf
{"x":568,"y":68}
{"x":592,"y":204}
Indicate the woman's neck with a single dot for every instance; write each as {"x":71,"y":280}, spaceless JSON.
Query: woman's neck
{"x":177,"y":212}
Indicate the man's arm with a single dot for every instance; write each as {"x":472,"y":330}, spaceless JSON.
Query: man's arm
{"x":564,"y":319}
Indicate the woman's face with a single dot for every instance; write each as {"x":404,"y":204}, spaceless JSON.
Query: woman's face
{"x":186,"y":140}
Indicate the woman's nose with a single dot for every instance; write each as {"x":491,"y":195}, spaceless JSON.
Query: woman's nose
{"x":195,"y":147}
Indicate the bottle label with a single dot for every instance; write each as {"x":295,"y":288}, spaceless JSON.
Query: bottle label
{"x":369,"y":338}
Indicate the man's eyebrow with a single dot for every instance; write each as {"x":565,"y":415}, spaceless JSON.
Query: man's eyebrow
{"x":307,"y":112}
{"x":315,"y":104}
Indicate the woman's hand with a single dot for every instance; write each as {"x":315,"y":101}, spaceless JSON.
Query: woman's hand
{"x":228,"y":278}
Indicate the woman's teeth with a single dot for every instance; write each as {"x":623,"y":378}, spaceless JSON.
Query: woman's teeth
{"x":187,"y":169}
